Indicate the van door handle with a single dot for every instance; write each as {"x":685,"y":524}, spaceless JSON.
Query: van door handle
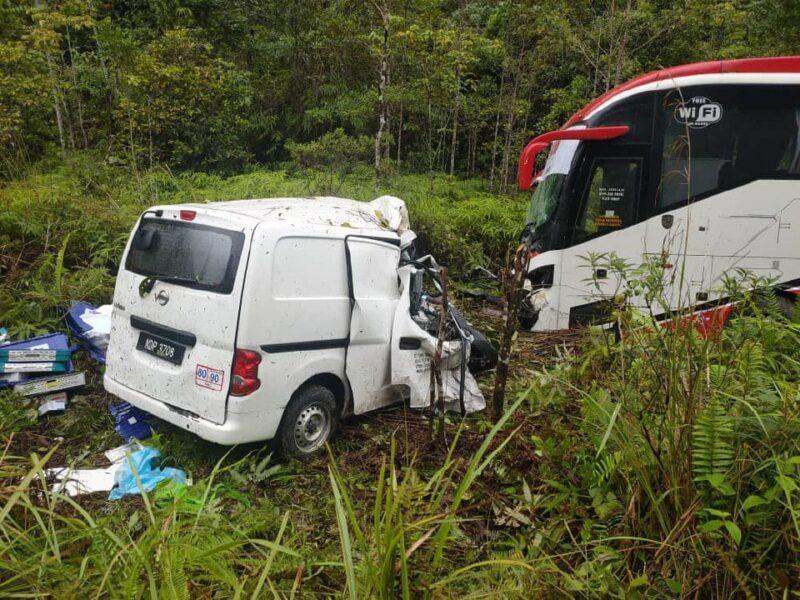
{"x":409,"y":343}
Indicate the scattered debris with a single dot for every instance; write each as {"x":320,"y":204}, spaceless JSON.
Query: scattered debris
{"x":117,"y":454}
{"x":75,"y":482}
{"x":130,"y":422}
{"x":128,"y":462}
{"x":137,"y":472}
{"x":482,"y":295}
{"x":91,"y":326}
{"x":46,"y":385}
{"x":27,"y":360}
{"x":52,"y":403}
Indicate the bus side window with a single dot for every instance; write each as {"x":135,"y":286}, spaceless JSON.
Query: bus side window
{"x":719,"y":137}
{"x":611,"y":198}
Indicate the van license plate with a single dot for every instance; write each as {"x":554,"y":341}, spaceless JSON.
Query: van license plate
{"x":157,"y":346}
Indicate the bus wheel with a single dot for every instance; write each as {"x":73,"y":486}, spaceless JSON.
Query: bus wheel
{"x":787,"y":306}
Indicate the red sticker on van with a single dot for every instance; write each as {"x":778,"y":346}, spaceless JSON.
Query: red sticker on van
{"x":209,"y":378}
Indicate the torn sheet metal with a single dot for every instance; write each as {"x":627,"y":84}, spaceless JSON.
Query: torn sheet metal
{"x":412,"y":357}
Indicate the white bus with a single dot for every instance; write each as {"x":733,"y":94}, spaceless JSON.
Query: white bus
{"x":696,"y":166}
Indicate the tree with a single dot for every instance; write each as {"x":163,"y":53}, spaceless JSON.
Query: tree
{"x":181,"y":103}
{"x":335,"y":153}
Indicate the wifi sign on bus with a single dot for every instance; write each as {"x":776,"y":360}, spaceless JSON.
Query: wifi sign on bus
{"x":698,"y":112}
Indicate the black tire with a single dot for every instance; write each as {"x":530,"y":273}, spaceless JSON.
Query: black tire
{"x":786,"y":306}
{"x":309,"y":422}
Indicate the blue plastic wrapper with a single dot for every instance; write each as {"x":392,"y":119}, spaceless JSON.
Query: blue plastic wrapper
{"x":149,"y":475}
{"x":130,"y":422}
{"x":82,"y":330}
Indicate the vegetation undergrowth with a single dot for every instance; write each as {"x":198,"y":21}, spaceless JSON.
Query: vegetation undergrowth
{"x":63,"y":227}
{"x":683,"y":479}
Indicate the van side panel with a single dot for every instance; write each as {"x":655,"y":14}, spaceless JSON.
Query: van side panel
{"x":295,"y":312}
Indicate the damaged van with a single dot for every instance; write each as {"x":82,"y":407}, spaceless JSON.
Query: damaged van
{"x":272,"y":319}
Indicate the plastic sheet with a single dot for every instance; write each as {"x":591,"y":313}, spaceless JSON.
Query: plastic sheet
{"x":91,"y":325}
{"x":149,"y":476}
{"x":130,"y":422}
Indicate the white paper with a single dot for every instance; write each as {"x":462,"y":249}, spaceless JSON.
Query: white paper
{"x":99,"y":319}
{"x":52,"y":403}
{"x":75,"y":482}
{"x":117,"y":454}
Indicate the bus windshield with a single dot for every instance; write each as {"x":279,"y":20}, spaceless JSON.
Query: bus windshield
{"x":551,"y":183}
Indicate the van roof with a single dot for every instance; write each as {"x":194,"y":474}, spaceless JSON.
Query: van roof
{"x":326,"y":211}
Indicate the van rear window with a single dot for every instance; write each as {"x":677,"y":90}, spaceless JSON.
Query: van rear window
{"x":195,"y":256}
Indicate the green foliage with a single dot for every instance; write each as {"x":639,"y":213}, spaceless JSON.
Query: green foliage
{"x":63,"y":232}
{"x":217,"y":84}
{"x":335,"y":154}
{"x":184,"y":105}
{"x":686,"y":446}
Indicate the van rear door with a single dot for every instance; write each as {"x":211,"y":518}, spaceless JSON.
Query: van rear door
{"x":176,"y":308}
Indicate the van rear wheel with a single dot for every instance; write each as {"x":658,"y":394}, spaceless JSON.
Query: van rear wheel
{"x":309,"y":422}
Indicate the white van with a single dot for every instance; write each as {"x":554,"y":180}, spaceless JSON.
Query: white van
{"x":259,"y":319}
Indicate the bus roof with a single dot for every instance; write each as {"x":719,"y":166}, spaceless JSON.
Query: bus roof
{"x":778,"y":64}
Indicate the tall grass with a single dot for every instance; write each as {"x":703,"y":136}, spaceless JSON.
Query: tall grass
{"x":186,"y":541}
{"x":686,"y":472}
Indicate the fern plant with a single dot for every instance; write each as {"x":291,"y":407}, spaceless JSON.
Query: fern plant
{"x":713,"y":452}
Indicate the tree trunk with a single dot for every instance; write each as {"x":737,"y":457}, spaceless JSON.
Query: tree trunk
{"x":399,"y":134}
{"x":510,"y":123}
{"x":56,"y":103}
{"x":77,"y":91}
{"x":623,"y":43}
{"x":512,"y":290}
{"x":456,"y":107}
{"x":382,"y":77}
{"x":457,"y":95}
{"x":497,"y":126}
{"x":438,"y":389}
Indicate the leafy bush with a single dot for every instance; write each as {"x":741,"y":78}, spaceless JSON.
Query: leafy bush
{"x":64,"y":226}
{"x":688,"y":458}
{"x":329,"y":159}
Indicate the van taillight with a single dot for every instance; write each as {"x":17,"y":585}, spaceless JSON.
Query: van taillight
{"x":188,"y":215}
{"x":245,"y":372}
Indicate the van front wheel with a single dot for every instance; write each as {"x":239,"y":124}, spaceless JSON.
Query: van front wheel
{"x":308,"y":422}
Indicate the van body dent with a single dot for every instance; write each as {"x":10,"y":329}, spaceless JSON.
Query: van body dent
{"x":225,"y":313}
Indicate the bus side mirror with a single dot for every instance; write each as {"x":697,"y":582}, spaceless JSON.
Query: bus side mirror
{"x":527,"y":158}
